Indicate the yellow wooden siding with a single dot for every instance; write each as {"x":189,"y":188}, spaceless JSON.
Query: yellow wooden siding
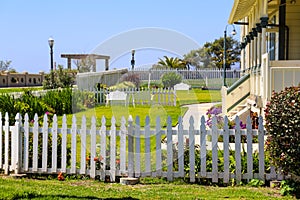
{"x":293,"y":21}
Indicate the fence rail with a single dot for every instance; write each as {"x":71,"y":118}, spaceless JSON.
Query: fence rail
{"x":142,"y":96}
{"x":155,"y":74}
{"x":131,"y":151}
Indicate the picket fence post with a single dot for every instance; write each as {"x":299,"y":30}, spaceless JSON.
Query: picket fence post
{"x":261,"y":143}
{"x":238,"y":164}
{"x":16,"y":145}
{"x":192,"y":149}
{"x":180,"y":148}
{"x":137,"y":153}
{"x":83,"y":146}
{"x":130,"y":148}
{"x":226,"y":150}
{"x":103,"y":147}
{"x":26,"y":144}
{"x":249,"y":150}
{"x":214,"y":143}
{"x":113,"y":149}
{"x":203,"y":133}
{"x":169,"y":150}
{"x":147,"y":146}
{"x":158,"y":147}
{"x":64,"y":144}
{"x":123,"y":133}
{"x":73,"y":145}
{"x":35,"y":143}
{"x":1,"y":142}
{"x":93,"y":148}
{"x":54,"y":144}
{"x":6,"y":144}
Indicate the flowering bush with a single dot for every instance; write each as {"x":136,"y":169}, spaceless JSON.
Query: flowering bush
{"x":216,"y":110}
{"x":283,"y":128}
{"x":99,"y":161}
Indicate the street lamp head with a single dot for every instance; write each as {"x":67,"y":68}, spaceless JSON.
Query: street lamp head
{"x":233,"y":32}
{"x":132,"y":51}
{"x":51,"y":42}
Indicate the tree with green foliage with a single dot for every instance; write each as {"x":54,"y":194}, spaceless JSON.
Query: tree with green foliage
{"x":211,"y":54}
{"x":172,"y":63}
{"x":199,"y":58}
{"x":62,"y":78}
{"x":170,"y":79}
{"x":5,"y":66}
{"x":85,"y":65}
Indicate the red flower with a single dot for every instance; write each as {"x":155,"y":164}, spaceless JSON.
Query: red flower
{"x":60,"y":176}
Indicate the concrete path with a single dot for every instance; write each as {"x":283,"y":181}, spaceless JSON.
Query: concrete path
{"x":197,"y":111}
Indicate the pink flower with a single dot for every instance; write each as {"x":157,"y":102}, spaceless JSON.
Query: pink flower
{"x":47,"y":113}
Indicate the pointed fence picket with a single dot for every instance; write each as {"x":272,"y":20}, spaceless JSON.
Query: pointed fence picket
{"x":130,"y":150}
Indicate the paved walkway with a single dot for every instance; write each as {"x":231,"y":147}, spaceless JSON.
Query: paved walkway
{"x":197,"y":111}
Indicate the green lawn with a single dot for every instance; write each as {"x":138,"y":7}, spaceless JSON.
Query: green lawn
{"x":195,"y":96}
{"x":119,"y":111}
{"x":147,"y":189}
{"x":183,"y":97}
{"x":19,"y":89}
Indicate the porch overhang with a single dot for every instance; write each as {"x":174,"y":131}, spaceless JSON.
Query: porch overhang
{"x":240,"y":9}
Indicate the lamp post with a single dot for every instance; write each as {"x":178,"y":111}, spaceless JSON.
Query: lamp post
{"x":132,"y":59}
{"x":224,"y":55}
{"x":51,"y":43}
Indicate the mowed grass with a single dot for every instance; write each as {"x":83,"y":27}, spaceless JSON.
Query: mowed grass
{"x":146,"y":189}
{"x":193,"y":96}
{"x":196,"y":96}
{"x":119,"y":111}
{"x":19,"y":89}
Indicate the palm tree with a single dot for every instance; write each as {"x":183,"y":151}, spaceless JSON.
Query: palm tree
{"x":173,"y":63}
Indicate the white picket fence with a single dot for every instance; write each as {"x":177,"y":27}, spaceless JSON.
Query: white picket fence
{"x":127,"y":150}
{"x":156,"y":74}
{"x":143,"y":96}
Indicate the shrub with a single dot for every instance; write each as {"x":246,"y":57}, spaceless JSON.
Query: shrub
{"x":154,"y":85}
{"x":283,"y":128}
{"x":49,"y":151}
{"x":232,"y":162}
{"x":59,"y":100}
{"x":62,"y":78}
{"x":170,"y":79}
{"x":131,"y":77}
{"x":123,"y":85}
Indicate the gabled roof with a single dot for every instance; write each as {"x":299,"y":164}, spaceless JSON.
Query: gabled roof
{"x":240,"y":9}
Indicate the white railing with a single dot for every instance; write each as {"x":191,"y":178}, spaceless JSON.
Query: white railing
{"x":123,"y":154}
{"x":187,"y":74}
{"x":143,"y":96}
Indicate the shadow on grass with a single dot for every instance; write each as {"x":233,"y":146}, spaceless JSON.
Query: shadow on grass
{"x":33,"y":195}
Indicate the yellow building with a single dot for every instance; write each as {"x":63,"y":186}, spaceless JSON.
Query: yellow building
{"x":270,"y":56}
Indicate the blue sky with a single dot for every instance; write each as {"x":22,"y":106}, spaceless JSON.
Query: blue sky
{"x":81,"y":26}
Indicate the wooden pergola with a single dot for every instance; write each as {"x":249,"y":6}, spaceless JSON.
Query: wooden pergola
{"x":94,"y":57}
